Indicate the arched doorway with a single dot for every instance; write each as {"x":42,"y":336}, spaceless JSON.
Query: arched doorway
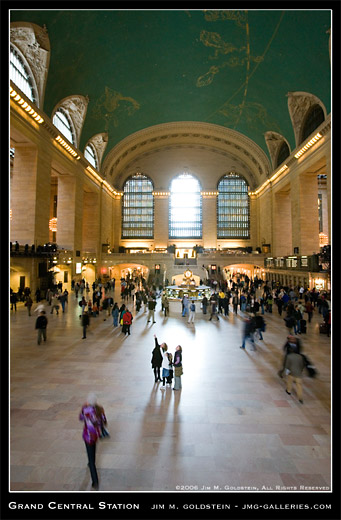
{"x":128,"y":269}
{"x":237,"y":272}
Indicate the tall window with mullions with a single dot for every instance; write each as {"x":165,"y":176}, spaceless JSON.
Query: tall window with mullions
{"x":19,"y":74}
{"x":233,"y":208}
{"x":185,"y":207}
{"x":138,"y":208}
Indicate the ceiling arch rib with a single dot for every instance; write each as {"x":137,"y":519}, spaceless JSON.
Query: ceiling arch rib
{"x":207,"y":136}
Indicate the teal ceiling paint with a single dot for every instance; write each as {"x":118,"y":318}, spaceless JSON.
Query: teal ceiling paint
{"x":141,"y":68}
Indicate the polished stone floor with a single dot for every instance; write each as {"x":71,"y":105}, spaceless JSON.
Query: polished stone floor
{"x":232,"y":424}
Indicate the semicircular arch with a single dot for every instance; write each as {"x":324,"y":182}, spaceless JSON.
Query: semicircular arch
{"x":164,"y":149}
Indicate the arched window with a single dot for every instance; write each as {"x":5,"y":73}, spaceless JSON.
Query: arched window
{"x":185,"y":208}
{"x":313,"y":119}
{"x":138,"y":208}
{"x":62,"y":121}
{"x":283,"y":153}
{"x":90,"y":155}
{"x":20,"y":75}
{"x":233,"y":211}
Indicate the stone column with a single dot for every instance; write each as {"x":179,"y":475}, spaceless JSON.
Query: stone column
{"x":304,"y":213}
{"x":117,"y":224}
{"x":70,"y":213}
{"x":282,"y":224}
{"x":209,"y":221}
{"x":30,"y":195}
{"x":161,"y":218}
{"x":90,"y":221}
{"x":253,"y":223}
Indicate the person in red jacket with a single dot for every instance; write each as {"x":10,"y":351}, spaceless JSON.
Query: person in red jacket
{"x":127,"y":321}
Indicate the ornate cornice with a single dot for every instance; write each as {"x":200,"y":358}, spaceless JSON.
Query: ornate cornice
{"x":298,"y":104}
{"x":274,"y":141}
{"x":215,"y":137}
{"x":33,"y":43}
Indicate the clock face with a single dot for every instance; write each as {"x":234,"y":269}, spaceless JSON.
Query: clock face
{"x":188,"y":274}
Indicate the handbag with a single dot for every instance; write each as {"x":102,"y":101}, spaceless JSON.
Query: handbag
{"x":104,"y":432}
{"x":178,"y":371}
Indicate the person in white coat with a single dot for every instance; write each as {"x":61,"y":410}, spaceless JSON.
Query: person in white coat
{"x":166,"y":366}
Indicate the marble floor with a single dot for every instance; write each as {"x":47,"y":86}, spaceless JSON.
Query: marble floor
{"x":232,"y":424}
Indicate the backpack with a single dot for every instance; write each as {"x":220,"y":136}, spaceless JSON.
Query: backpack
{"x":80,"y":303}
{"x":192,"y":307}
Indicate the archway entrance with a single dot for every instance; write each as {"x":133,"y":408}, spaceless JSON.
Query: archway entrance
{"x":239,"y":272}
{"x":133,"y":271}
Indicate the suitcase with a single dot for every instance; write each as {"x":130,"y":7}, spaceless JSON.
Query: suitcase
{"x":323,"y":328}
{"x":303,"y":326}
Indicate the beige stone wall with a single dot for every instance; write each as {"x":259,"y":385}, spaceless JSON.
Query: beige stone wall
{"x":30,"y":195}
{"x":107,"y":218}
{"x":70,"y":213}
{"x":282,"y":224}
{"x":90,"y":222}
{"x":304,"y":213}
{"x":117,"y":217}
{"x":209,"y":221}
{"x":161,"y":214}
{"x":254,"y":238}
{"x":265,"y":218}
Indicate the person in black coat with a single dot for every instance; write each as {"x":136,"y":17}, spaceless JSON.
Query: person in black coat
{"x":85,"y":322}
{"x":157,"y":359}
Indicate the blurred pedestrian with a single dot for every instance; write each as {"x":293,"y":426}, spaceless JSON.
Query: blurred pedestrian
{"x":294,"y":366}
{"x":41,"y":325}
{"x":191,"y":312}
{"x":28,"y":304}
{"x":91,"y":433}
{"x":249,"y":328}
{"x":85,"y":322}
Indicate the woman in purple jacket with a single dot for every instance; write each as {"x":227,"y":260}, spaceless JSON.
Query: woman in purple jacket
{"x":92,"y":432}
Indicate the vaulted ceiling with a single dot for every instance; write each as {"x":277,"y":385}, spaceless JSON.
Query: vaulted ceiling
{"x":146,"y":67}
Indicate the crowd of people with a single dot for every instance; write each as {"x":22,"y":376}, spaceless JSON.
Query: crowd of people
{"x":253,"y":300}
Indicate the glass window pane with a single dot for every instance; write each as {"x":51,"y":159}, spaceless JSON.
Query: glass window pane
{"x":138,"y":208}
{"x":233,"y":208}
{"x":90,"y":155}
{"x":61,"y":121}
{"x":185,"y":208}
{"x":20,"y":76}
